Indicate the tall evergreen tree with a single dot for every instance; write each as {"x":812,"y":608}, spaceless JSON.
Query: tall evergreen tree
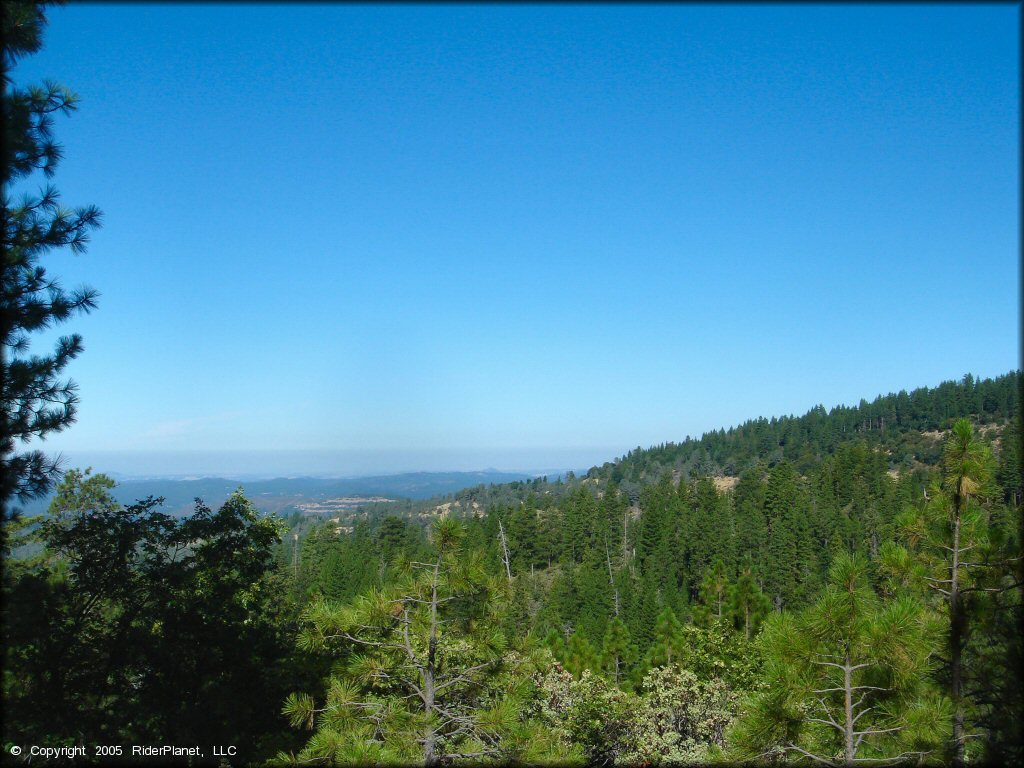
{"x":618,"y":653}
{"x":748,"y":603}
{"x":36,"y":400}
{"x":714,"y":590}
{"x":791,"y":560}
{"x":751,"y":524}
{"x":961,"y":560}
{"x":413,"y":659}
{"x":845,"y":680}
{"x":668,"y":640}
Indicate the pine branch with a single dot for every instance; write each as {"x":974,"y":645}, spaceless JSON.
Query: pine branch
{"x":814,"y":757}
{"x":843,"y":667}
{"x":833,"y":723}
{"x":999,"y":590}
{"x":467,"y":755}
{"x":873,"y":731}
{"x":903,"y":756}
{"x":359,"y":640}
{"x":464,"y":676}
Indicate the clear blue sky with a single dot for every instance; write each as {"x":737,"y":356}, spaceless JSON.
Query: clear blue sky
{"x":454,"y":237}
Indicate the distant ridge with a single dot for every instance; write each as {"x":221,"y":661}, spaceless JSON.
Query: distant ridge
{"x":282,"y":492}
{"x":906,"y":426}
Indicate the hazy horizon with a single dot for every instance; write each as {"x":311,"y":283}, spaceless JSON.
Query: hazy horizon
{"x":356,"y":463}
{"x":258,"y":464}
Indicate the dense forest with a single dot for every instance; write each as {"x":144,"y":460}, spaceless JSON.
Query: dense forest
{"x":840,"y":588}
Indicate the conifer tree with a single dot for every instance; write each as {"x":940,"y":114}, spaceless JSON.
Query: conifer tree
{"x":1009,"y":472}
{"x":646,"y":609}
{"x":580,"y":655}
{"x":524,"y":538}
{"x":845,"y":680}
{"x":36,"y":401}
{"x":749,"y":605}
{"x":555,"y":643}
{"x":615,"y":524}
{"x":413,"y":661}
{"x":714,"y":589}
{"x":668,"y":640}
{"x":790,"y":559}
{"x":655,"y":521}
{"x":960,"y":555}
{"x":579,"y":524}
{"x":751,"y":525}
{"x":700,"y":535}
{"x":595,"y":594}
{"x":618,"y":654}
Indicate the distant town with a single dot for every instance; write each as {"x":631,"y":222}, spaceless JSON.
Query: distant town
{"x":346,"y":504}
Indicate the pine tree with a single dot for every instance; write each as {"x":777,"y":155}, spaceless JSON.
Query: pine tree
{"x":646,"y":609}
{"x":524,"y":539}
{"x":845,"y":680}
{"x":36,"y":401}
{"x":555,"y":643}
{"x":748,"y":604}
{"x":714,"y":590}
{"x":668,"y":640}
{"x":751,"y":524}
{"x":700,"y":535}
{"x":1009,"y":473}
{"x":618,"y":654}
{"x":791,"y":562}
{"x":596,"y":596}
{"x":579,"y":524}
{"x":580,"y":655}
{"x":958,"y":554}
{"x":413,"y":660}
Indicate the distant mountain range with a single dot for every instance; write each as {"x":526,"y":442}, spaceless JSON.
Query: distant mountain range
{"x":281,"y":493}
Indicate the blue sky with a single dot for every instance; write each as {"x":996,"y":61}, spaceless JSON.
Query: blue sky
{"x":513,"y":236}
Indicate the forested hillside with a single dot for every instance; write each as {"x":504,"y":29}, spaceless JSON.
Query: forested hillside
{"x":837,"y":587}
{"x":907,"y":427}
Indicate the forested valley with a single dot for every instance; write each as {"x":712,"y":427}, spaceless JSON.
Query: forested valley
{"x":839,"y":588}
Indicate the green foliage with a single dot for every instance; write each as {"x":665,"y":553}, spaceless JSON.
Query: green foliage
{"x":668,"y":640}
{"x":675,"y":717}
{"x":580,"y":655}
{"x":137,"y":626}
{"x":618,"y":653}
{"x":717,"y":650}
{"x":791,"y":561}
{"x":680,"y":718}
{"x":894,"y":422}
{"x":962,"y":552}
{"x":714,"y":592}
{"x":1009,"y":473}
{"x":422,"y":671}
{"x":845,"y":679}
{"x":37,"y":401}
{"x":747,"y":603}
{"x":596,"y":718}
{"x":649,"y":594}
